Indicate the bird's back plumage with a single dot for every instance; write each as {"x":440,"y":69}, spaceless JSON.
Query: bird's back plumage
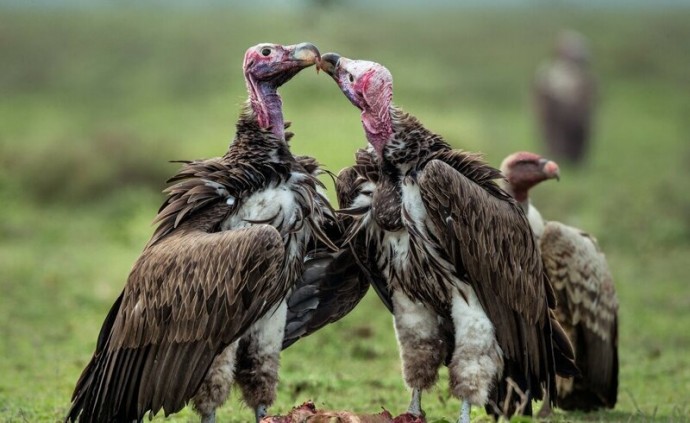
{"x":588,"y":310}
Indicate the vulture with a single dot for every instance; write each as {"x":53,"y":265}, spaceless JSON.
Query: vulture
{"x":564,"y":94}
{"x":450,"y":254}
{"x":587,"y":305}
{"x":206,"y":303}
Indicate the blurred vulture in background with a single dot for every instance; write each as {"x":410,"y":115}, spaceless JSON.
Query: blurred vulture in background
{"x":587,"y":304}
{"x":207,"y":301}
{"x":564,"y":93}
{"x":449,"y":253}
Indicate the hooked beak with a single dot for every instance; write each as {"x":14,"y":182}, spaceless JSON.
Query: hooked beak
{"x":329,"y":63}
{"x":550,"y":169}
{"x":306,"y":54}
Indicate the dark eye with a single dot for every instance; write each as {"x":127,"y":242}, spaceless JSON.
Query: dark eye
{"x":352,"y":78}
{"x":266,"y":51}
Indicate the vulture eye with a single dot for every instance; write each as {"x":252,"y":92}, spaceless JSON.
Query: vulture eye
{"x":351,"y":78}
{"x":266,"y":51}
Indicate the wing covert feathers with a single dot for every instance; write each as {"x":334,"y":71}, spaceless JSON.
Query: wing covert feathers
{"x":354,"y":199}
{"x":330,"y":287}
{"x":492,"y":246}
{"x":188,"y":296}
{"x":491,"y":235}
{"x":588,"y":309}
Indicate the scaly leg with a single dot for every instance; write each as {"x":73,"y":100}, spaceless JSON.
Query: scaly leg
{"x":209,"y":418}
{"x":260,"y":412}
{"x":415,"y":407}
{"x":465,"y":412}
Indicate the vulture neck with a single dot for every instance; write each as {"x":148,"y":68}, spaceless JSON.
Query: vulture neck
{"x":378,"y":127}
{"x":267,"y":106}
{"x":520,"y":195}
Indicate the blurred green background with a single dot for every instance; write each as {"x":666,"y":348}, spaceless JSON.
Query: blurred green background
{"x":95,"y":100}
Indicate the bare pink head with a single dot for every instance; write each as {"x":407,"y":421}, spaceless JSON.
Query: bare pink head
{"x":268,"y":66}
{"x":369,"y":86}
{"x":523,"y":170}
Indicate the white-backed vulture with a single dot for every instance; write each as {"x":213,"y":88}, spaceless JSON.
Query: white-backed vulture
{"x":587,"y":304}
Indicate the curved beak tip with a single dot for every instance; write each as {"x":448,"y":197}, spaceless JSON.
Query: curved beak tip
{"x":329,"y":62}
{"x":551,"y":169}
{"x":306,"y":53}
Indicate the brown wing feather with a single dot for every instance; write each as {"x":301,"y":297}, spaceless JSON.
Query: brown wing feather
{"x":354,"y":203}
{"x":489,"y":241}
{"x":491,"y":235}
{"x":587,"y":308}
{"x":188,"y":296}
{"x":330,"y":287}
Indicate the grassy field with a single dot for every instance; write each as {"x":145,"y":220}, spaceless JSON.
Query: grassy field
{"x":94,"y":104}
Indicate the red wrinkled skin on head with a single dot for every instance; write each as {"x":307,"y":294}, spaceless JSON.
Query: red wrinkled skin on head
{"x":362,"y":84}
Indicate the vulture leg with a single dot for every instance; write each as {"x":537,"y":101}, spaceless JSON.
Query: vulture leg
{"x":546,"y":406}
{"x":421,"y":348}
{"x":465,"y":412}
{"x":258,"y":360}
{"x":215,"y":388}
{"x":260,"y":412}
{"x":477,"y":358}
{"x":415,"y":407}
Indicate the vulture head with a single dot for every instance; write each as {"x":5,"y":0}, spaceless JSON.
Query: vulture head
{"x":369,"y":87}
{"x":523,"y":170}
{"x":268,"y":66}
{"x":274,"y":64}
{"x":572,"y":47}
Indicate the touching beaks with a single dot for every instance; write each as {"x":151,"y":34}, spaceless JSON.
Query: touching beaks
{"x":329,"y":63}
{"x":306,"y":53}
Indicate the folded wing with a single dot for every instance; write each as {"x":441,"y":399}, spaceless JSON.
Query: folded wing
{"x":188,"y":296}
{"x":588,"y":309}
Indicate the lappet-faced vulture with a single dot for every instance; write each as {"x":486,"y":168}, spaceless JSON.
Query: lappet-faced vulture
{"x":452,"y":255}
{"x":205,"y":304}
{"x":587,"y":303}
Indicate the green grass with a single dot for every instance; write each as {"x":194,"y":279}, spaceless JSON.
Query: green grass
{"x":93,"y":105}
